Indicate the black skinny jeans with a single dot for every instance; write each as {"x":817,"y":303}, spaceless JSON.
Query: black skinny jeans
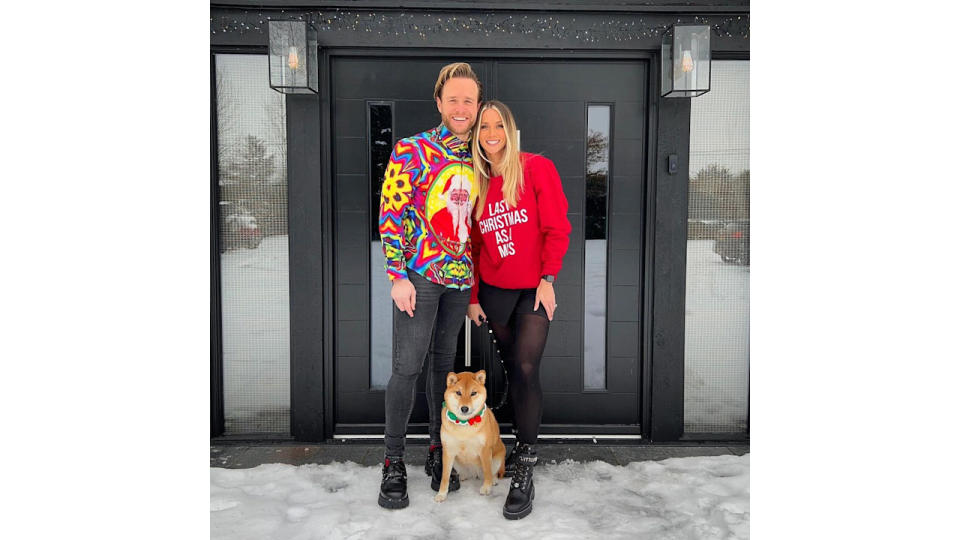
{"x":431,"y":335}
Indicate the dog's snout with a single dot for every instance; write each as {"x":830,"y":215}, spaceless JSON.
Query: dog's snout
{"x":464,"y":409}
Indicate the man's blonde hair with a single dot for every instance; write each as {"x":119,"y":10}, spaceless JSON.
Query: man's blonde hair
{"x":457,"y":69}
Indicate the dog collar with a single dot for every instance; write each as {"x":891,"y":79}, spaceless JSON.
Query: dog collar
{"x":453,"y":418}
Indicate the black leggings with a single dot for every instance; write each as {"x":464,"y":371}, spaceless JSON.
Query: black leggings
{"x":522,"y":338}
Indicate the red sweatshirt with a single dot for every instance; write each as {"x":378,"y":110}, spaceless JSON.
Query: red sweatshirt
{"x":513,"y":247}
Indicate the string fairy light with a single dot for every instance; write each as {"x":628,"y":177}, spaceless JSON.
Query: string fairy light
{"x":596,"y":30}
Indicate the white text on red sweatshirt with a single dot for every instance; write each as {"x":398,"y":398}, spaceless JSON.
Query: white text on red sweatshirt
{"x":514,"y":246}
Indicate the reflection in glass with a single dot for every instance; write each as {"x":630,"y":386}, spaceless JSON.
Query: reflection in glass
{"x":380,"y":135}
{"x":254,"y":281}
{"x":595,"y":255}
{"x":381,"y":145}
{"x":717,"y":341}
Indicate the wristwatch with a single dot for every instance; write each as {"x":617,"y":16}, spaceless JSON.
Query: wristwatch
{"x":548,"y":278}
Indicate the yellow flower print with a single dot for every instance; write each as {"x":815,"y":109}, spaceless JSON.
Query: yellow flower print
{"x":396,"y":188}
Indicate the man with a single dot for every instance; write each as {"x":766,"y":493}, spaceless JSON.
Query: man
{"x":430,"y":175}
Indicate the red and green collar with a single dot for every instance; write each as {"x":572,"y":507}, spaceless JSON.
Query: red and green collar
{"x":453,"y":418}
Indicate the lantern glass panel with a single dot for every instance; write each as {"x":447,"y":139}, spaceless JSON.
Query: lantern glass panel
{"x":686,"y":61}
{"x":293,"y":57}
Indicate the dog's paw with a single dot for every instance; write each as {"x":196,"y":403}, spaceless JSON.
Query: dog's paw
{"x":440,"y":497}
{"x":485,"y":489}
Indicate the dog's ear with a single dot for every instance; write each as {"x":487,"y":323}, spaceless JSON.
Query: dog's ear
{"x":452,"y":378}
{"x":481,"y":376}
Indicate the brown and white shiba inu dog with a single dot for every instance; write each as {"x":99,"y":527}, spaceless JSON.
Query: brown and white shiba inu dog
{"x":469,"y":433}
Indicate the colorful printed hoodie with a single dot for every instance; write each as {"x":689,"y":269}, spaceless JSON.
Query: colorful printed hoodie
{"x":427,"y":199}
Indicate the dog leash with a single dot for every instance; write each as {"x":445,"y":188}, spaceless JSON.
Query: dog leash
{"x":490,"y":352}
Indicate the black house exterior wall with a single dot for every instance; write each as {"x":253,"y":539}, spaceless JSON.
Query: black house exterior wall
{"x":571,"y":30}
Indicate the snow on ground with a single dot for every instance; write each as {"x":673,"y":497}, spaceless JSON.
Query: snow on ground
{"x":595,"y":314}
{"x":717,"y":344}
{"x":678,"y":498}
{"x":381,"y":320}
{"x":254,"y":291}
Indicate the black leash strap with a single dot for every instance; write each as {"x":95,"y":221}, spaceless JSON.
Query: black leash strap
{"x":490,"y":353}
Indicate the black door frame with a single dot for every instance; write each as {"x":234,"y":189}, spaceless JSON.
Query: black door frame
{"x":217,"y":417}
{"x":354,"y":377}
{"x":326,"y":169}
{"x":305,"y":245}
{"x":216,"y":329}
{"x":716,"y":436}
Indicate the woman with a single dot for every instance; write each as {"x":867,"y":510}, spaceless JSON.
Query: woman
{"x":520,"y":235}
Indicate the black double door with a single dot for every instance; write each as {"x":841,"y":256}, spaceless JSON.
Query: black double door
{"x":589,"y":118}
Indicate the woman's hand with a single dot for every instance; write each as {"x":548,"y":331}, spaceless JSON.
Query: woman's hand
{"x":475,"y":313}
{"x":546,"y":296}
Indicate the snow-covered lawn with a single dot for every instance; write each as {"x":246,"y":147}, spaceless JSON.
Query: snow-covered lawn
{"x":717,"y":343}
{"x":677,"y":498}
{"x":255,"y":299}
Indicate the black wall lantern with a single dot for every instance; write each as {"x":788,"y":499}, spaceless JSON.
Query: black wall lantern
{"x":293,"y":57}
{"x":686,"y":61}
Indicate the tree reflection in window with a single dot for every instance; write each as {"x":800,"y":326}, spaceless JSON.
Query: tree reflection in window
{"x":595,"y":247}
{"x":381,"y":145}
{"x":598,"y":160}
{"x":380,"y":137}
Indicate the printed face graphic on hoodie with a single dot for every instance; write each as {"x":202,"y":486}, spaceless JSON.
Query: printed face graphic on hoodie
{"x":449,"y":208}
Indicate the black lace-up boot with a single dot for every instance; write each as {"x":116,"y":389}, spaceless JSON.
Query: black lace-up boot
{"x":519,"y":501}
{"x":511,"y":463}
{"x":434,"y":469}
{"x":393,"y":487}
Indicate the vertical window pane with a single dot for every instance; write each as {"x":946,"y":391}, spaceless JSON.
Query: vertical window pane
{"x":252,"y":146}
{"x":718,"y":255}
{"x":380,"y":135}
{"x":595,"y":250}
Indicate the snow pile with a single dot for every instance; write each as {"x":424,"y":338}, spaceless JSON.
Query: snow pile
{"x":695,"y":497}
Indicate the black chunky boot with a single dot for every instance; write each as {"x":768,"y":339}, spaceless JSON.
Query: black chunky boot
{"x":510,"y":466}
{"x":434,"y":469}
{"x":519,"y":501}
{"x":393,"y":487}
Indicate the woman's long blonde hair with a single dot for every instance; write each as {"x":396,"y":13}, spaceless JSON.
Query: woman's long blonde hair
{"x":511,"y":169}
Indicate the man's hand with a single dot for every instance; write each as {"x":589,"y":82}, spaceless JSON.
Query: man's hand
{"x":475,"y":313}
{"x":546,"y":296}
{"x":404,"y":295}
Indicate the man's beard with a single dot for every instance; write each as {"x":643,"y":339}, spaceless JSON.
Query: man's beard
{"x":448,"y":122}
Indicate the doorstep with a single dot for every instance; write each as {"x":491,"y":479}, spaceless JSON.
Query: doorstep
{"x":244,"y":456}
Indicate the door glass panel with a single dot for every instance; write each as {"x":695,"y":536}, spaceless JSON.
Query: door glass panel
{"x":595,"y":250}
{"x":255,"y":307}
{"x":380,"y":135}
{"x":717,"y":344}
